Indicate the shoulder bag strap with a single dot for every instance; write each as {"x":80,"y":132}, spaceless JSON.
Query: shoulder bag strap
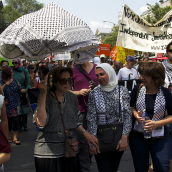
{"x":61,"y":114}
{"x":138,"y":91}
{"x":119,"y":106}
{"x":82,"y":71}
{"x":25,"y":81}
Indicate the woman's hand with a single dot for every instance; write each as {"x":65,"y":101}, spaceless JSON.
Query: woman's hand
{"x":138,"y":117}
{"x":84,"y":92}
{"x":43,"y":87}
{"x":91,"y":139}
{"x":93,"y":150}
{"x":123,"y":143}
{"x":150,"y":125}
{"x":9,"y":82}
{"x":23,"y":90}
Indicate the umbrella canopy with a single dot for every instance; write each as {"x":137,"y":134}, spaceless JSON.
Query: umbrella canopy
{"x":48,"y":30}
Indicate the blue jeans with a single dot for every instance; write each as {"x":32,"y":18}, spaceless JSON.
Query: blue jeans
{"x":159,"y":149}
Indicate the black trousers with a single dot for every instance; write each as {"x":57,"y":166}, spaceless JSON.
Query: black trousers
{"x":108,"y":161}
{"x":55,"y":164}
{"x":83,"y":149}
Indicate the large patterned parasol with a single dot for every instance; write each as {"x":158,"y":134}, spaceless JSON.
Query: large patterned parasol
{"x":48,"y":30}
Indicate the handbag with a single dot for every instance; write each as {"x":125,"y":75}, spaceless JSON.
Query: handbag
{"x":23,"y":99}
{"x":71,"y":145}
{"x":109,"y":135}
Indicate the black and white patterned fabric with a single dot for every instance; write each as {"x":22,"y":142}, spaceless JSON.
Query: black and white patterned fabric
{"x":50,"y":29}
{"x":159,"y":107}
{"x":103,"y":108}
{"x":51,"y":138}
{"x":168,"y":68}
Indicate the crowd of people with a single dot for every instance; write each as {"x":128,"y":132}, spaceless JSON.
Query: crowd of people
{"x":79,"y":102}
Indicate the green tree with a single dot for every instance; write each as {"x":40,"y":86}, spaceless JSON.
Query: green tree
{"x":156,"y":13}
{"x":16,"y":8}
{"x":112,"y":38}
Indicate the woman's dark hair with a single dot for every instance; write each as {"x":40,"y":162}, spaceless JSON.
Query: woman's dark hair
{"x":55,"y":75}
{"x":154,"y":70}
{"x":44,"y":69}
{"x":6,"y":73}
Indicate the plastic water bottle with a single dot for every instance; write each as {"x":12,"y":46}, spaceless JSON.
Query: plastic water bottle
{"x":149,"y":134}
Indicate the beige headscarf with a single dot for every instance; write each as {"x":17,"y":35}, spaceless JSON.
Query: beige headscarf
{"x":113,"y":81}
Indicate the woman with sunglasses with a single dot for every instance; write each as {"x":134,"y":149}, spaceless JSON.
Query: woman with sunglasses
{"x":151,"y":99}
{"x":54,"y":105}
{"x":22,"y":76}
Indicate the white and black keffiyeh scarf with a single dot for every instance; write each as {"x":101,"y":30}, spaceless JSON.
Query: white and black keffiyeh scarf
{"x":159,"y":106}
{"x":168,"y":68}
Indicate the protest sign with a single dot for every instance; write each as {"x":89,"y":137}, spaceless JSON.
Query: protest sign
{"x":137,"y":34}
{"x":103,"y":49}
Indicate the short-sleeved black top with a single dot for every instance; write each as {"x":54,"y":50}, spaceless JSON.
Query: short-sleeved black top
{"x":150,"y":100}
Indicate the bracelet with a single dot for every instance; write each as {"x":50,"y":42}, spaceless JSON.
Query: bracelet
{"x":83,"y":131}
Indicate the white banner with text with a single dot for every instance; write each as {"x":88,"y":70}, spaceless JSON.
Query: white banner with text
{"x":137,"y":34}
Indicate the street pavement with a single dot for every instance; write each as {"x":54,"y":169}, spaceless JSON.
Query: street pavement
{"x":22,"y":159}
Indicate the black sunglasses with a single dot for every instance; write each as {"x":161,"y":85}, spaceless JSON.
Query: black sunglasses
{"x":170,"y":50}
{"x":14,"y":62}
{"x":63,"y":81}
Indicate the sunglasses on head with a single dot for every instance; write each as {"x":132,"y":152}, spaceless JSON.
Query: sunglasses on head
{"x":14,"y":62}
{"x":170,"y":50}
{"x":63,"y":81}
{"x":4,"y":65}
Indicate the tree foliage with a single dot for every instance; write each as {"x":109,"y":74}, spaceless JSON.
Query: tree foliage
{"x":13,"y":9}
{"x":156,"y":13}
{"x":112,"y":38}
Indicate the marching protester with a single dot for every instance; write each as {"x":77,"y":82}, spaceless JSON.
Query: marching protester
{"x":11,"y":89}
{"x":4,"y":63}
{"x":104,"y":113}
{"x":103,"y":58}
{"x":150,"y":100}
{"x":23,"y":78}
{"x":5,"y":148}
{"x":117,"y":66}
{"x":33,"y":81}
{"x":83,"y":77}
{"x":128,"y":72}
{"x":42,"y":74}
{"x":57,"y":116}
{"x":24,"y":64}
{"x":168,"y":83}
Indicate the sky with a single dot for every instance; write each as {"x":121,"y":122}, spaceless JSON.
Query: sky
{"x":94,"y":12}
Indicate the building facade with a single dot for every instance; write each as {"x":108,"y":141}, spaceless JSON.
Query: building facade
{"x":102,"y":32}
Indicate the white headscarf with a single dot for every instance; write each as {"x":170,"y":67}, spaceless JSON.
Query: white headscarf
{"x":113,"y":81}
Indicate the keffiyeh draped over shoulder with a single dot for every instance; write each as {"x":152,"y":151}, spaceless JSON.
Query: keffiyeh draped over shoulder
{"x":113,"y":81}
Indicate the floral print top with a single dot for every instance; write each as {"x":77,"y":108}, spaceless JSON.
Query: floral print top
{"x":12,"y":99}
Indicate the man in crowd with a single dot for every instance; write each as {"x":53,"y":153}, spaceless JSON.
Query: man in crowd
{"x":128,"y":72}
{"x":4,"y":63}
{"x":103,"y":58}
{"x":24,"y":64}
{"x":117,"y":66}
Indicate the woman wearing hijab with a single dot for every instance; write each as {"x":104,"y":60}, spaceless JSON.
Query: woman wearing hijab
{"x":103,"y":109}
{"x":22,"y":76}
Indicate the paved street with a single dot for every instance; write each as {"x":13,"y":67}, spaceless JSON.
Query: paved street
{"x":22,"y":156}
